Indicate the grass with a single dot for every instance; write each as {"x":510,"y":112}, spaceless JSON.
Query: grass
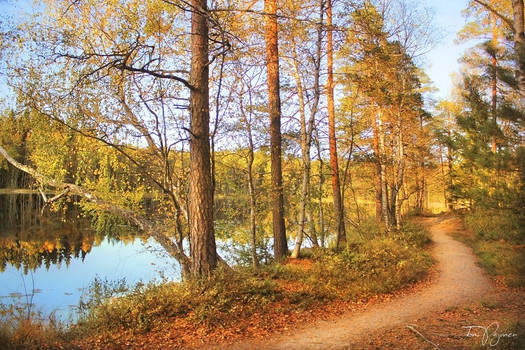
{"x":497,"y":237}
{"x":20,"y":329}
{"x":375,"y":262}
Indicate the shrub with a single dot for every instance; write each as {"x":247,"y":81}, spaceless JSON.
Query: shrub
{"x":493,"y":224}
{"x":377,"y":265}
{"x":497,"y":238}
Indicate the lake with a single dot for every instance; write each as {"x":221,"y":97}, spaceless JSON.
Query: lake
{"x":51,"y":262}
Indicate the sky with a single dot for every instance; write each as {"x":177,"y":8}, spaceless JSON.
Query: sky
{"x":442,"y":60}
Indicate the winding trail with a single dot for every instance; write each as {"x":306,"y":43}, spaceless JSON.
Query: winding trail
{"x":458,"y":280}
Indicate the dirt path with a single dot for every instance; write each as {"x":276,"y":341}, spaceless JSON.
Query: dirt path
{"x":458,"y":281}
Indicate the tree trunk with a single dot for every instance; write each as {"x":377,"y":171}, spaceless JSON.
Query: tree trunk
{"x":519,"y":46}
{"x":400,"y":177}
{"x":377,"y":162}
{"x":305,"y":150}
{"x":421,"y":186}
{"x":251,"y":189}
{"x":251,"y":185}
{"x":272,"y":65}
{"x":306,"y":137}
{"x":320,"y":190}
{"x":336,"y":187}
{"x":494,"y":86}
{"x":449,"y":162}
{"x":202,"y":236}
{"x":382,"y":177}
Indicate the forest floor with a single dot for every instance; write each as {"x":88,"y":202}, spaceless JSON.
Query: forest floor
{"x":457,"y":307}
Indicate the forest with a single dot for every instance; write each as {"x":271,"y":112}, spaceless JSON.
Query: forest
{"x":295,"y":131}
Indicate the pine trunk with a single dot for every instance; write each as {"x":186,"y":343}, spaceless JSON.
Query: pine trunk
{"x":202,"y":236}
{"x":519,"y":46}
{"x":336,"y":187}
{"x":272,"y":65}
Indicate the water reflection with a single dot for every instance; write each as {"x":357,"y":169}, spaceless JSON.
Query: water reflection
{"x":43,"y":245}
{"x":29,"y":240}
{"x":54,"y":258}
{"x":19,"y":210}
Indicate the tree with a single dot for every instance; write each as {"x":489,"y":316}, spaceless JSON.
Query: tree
{"x":334,"y":163}
{"x":303,"y":42}
{"x":202,"y":237}
{"x":389,"y":83}
{"x":118,"y":77}
{"x":516,"y":26}
{"x":490,"y":121}
{"x":274,"y":105}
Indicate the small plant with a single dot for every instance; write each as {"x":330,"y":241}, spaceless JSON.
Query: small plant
{"x":451,"y":308}
{"x":489,"y":304}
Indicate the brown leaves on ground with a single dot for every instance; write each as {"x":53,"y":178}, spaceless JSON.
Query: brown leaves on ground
{"x":301,"y":263}
{"x":276,"y":317}
{"x":497,"y":322}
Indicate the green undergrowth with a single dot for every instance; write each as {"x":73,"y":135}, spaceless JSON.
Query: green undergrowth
{"x":497,"y":238}
{"x":375,"y":262}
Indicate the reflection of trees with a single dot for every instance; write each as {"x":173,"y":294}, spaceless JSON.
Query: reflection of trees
{"x":19,"y":210}
{"x":45,"y":244}
{"x":33,"y":243}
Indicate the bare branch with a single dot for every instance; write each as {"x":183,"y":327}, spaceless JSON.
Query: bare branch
{"x":47,"y":202}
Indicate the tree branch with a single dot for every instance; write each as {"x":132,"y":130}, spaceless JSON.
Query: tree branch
{"x":143,"y":224}
{"x":506,"y":20}
{"x":47,"y":202}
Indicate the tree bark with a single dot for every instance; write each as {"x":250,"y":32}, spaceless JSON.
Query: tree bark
{"x":320,"y":185}
{"x":306,"y":138}
{"x":202,"y":236}
{"x":449,"y":162}
{"x":377,"y":162}
{"x":274,"y":102}
{"x":382,"y":177}
{"x":421,"y":185}
{"x":400,"y":176}
{"x":251,"y":190}
{"x":251,"y":184}
{"x":494,"y":84}
{"x":519,"y":46}
{"x":305,"y":150}
{"x":336,"y":187}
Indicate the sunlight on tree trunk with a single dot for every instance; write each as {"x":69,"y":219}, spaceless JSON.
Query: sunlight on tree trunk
{"x":203,"y":251}
{"x":274,"y":106}
{"x":334,"y":165}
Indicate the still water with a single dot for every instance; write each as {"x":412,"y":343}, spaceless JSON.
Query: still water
{"x":51,"y":263}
